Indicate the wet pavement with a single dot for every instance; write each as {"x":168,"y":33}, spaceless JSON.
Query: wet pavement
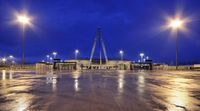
{"x":100,"y":91}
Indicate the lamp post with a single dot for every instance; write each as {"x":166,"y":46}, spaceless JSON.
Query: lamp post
{"x":176,"y":24}
{"x":4,"y":60}
{"x":141,"y":56}
{"x":76,"y":53}
{"x":55,"y":54}
{"x":51,"y":59}
{"x":23,"y":20}
{"x":147,"y":57}
{"x":121,"y":52}
{"x":11,"y":58}
{"x":48,"y":56}
{"x":144,"y":60}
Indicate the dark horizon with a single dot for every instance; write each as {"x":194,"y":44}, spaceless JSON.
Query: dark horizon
{"x":132,"y":25}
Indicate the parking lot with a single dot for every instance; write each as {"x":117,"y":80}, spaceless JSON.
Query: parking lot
{"x":100,"y":90}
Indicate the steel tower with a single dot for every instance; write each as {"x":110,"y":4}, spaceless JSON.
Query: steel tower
{"x":99,"y":39}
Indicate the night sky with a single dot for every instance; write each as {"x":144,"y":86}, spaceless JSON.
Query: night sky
{"x":131,"y":25}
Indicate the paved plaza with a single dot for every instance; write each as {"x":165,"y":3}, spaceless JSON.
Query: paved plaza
{"x":100,"y":90}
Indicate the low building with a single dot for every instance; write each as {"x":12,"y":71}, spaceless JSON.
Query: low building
{"x":43,"y":67}
{"x":143,"y":65}
{"x":86,"y":64}
{"x":65,"y":65}
{"x":112,"y":64}
{"x":196,"y":67}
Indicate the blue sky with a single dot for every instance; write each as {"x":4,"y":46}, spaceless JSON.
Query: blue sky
{"x":131,"y":25}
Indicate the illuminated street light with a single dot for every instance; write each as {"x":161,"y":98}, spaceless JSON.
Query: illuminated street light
{"x":121,"y":52}
{"x":55,"y":54}
{"x":12,"y":62}
{"x":48,"y":56}
{"x":51,"y":59}
{"x":176,"y":24}
{"x":23,"y":20}
{"x":11,"y":57}
{"x":141,"y":56}
{"x":76,"y":53}
{"x":4,"y":60}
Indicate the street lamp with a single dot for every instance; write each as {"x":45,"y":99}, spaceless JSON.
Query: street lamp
{"x":12,"y":62}
{"x":23,"y":20}
{"x":4,"y":60}
{"x":141,"y":56}
{"x":51,"y":59}
{"x":55,"y":54}
{"x":11,"y":59}
{"x":76,"y":53}
{"x":144,"y":60}
{"x":48,"y":56}
{"x":121,"y":52}
{"x":176,"y":24}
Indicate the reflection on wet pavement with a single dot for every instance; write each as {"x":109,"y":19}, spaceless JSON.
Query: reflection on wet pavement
{"x":100,"y":91}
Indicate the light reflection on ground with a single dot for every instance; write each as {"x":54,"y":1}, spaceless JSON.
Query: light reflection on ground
{"x":100,"y":91}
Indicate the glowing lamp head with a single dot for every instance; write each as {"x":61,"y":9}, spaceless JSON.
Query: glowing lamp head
{"x":121,"y":52}
{"x":76,"y":51}
{"x":13,"y":62}
{"x":47,"y":56}
{"x":141,"y":54}
{"x":23,"y":19}
{"x":4,"y":59}
{"x":177,"y":23}
{"x":11,"y":57}
{"x":55,"y":53}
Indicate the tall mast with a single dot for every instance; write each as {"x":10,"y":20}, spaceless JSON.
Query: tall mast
{"x":99,"y":39}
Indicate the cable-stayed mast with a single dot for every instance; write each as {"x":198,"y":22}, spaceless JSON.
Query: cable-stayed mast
{"x":101,"y":44}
